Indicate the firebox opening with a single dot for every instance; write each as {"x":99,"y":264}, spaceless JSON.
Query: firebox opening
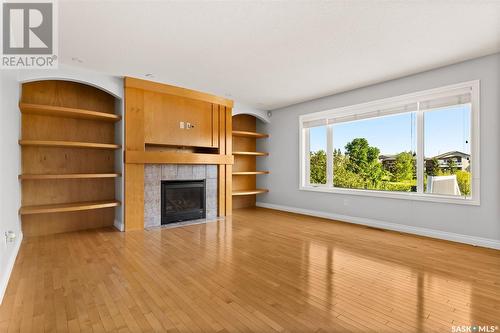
{"x":182,"y":200}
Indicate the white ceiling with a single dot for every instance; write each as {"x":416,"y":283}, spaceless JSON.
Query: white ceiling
{"x":272,"y":54}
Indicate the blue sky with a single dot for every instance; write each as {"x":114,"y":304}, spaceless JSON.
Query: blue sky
{"x":446,"y":129}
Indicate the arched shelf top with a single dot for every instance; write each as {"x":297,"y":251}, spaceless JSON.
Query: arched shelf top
{"x":244,"y":109}
{"x":107,"y":83}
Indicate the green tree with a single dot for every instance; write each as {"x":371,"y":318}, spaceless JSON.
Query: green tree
{"x":403,"y":167}
{"x":452,"y":166}
{"x":317,"y":167}
{"x":433,"y":170}
{"x":343,"y":177}
{"x":463,"y":180}
{"x":363,"y":161}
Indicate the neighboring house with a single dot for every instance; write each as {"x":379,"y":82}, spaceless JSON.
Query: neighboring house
{"x":462,"y":161}
{"x":387,"y":161}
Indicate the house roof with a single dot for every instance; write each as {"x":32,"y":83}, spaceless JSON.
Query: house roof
{"x":449,"y":154}
{"x":452,"y":154}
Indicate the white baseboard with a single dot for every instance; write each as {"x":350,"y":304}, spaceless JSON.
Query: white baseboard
{"x":10,"y":266}
{"x":471,"y":240}
{"x":118,"y":224}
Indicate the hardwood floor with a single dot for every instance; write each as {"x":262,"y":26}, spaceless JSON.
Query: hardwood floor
{"x":259,"y":271}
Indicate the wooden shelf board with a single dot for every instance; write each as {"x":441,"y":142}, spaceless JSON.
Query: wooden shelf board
{"x":250,"y":192}
{"x":68,"y":144}
{"x":248,"y":134}
{"x":69,"y":207}
{"x":59,"y":111}
{"x":250,"y":153}
{"x":69,"y":176}
{"x":158,"y":157}
{"x":243,"y":173}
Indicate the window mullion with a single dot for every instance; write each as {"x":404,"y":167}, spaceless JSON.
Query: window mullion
{"x":329,"y":155}
{"x":420,"y":150}
{"x":307,"y":157}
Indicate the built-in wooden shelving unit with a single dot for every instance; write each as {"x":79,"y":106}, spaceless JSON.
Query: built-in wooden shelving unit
{"x":68,"y":144}
{"x":69,"y":176}
{"x":58,"y":111}
{"x":68,"y":157}
{"x":244,"y":169}
{"x":69,"y":207}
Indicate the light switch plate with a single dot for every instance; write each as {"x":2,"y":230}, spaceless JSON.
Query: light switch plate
{"x":181,"y":125}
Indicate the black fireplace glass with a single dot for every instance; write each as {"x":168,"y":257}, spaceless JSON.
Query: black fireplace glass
{"x":182,"y":200}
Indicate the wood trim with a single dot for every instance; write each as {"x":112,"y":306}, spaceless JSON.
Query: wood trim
{"x":215,"y":125}
{"x":158,"y":157}
{"x":68,"y":144}
{"x":131,"y":82}
{"x":134,"y":120}
{"x":69,"y":176}
{"x":229,"y":168}
{"x":134,"y":197}
{"x":247,"y":134}
{"x":59,"y":111}
{"x":69,"y":207}
{"x":134,"y":173}
{"x":221,"y":187}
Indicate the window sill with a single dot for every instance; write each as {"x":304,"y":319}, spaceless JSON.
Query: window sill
{"x":394,"y":195}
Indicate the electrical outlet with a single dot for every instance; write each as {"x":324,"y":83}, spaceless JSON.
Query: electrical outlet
{"x":10,"y":236}
{"x":181,"y":125}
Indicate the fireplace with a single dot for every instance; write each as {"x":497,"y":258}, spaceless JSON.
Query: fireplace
{"x":182,"y":200}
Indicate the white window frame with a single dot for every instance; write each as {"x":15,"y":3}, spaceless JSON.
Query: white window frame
{"x":387,"y":103}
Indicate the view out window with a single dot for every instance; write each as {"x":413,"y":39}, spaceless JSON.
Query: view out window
{"x":317,"y":155}
{"x":447,"y":150}
{"x":376,"y":153}
{"x":419,"y":146}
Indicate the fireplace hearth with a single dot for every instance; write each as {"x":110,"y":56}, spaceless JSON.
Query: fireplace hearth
{"x":182,"y":200}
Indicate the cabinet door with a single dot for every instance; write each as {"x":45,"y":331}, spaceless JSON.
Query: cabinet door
{"x":167,"y":117}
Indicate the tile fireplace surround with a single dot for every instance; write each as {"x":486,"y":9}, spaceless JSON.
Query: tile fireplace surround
{"x":155,"y":173}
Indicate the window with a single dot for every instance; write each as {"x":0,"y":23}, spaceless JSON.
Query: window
{"x":376,"y":153}
{"x":421,"y":146}
{"x":447,"y":150}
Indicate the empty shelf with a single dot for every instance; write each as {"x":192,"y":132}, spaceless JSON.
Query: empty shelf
{"x":242,"y":173}
{"x":250,"y":153}
{"x":68,"y":144}
{"x":250,"y":192}
{"x":69,"y":176}
{"x":69,"y":207}
{"x":59,"y":111}
{"x":247,"y":134}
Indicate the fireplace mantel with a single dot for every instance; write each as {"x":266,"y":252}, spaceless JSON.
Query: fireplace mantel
{"x":159,"y":157}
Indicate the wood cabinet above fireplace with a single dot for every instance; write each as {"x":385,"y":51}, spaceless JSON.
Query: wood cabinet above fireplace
{"x":180,"y":121}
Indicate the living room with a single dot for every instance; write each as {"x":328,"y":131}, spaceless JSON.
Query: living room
{"x":250,"y":166}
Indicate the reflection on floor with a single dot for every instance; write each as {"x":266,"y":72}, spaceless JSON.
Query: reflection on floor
{"x":260,"y":271}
